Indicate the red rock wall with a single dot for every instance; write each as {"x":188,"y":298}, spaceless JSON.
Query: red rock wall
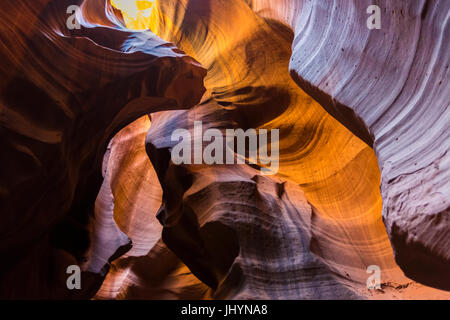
{"x":81,"y":185}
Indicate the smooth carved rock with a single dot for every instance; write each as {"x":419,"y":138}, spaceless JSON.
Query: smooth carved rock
{"x":149,"y":270}
{"x":337,"y":172}
{"x":245,"y":235}
{"x":224,"y":231}
{"x":63,"y":97}
{"x":389,"y":87}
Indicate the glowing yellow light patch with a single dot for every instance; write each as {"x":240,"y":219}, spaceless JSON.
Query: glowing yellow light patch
{"x":137,"y":14}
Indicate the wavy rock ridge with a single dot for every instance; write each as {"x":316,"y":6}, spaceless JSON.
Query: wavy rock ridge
{"x":63,"y":97}
{"x":225,"y":231}
{"x":390,"y":87}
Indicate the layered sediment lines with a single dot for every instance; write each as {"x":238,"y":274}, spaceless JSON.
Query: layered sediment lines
{"x":63,"y":97}
{"x":389,"y":87}
{"x":149,"y":270}
{"x":337,"y":172}
{"x":356,"y":109}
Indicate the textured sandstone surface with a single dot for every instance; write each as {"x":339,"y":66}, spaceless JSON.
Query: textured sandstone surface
{"x":389,"y":87}
{"x":347,"y":231}
{"x":63,"y":97}
{"x":357,"y":109}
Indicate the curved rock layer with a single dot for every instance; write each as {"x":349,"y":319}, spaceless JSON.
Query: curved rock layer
{"x":390,"y":87}
{"x":336,"y":171}
{"x":149,"y":270}
{"x":63,"y":97}
{"x":79,"y":188}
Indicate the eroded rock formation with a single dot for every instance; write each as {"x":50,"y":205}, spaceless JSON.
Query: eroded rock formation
{"x":389,"y":87}
{"x":346,"y":104}
{"x":63,"y":96}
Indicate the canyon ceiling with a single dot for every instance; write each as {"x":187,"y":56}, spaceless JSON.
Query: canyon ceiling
{"x":86,"y":176}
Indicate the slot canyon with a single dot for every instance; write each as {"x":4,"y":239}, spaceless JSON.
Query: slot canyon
{"x":87,"y":176}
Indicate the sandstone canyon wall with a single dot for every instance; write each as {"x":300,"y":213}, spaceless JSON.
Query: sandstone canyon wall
{"x":87,"y":178}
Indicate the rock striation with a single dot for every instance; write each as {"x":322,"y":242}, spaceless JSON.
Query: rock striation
{"x":64,"y":95}
{"x":87,"y":117}
{"x":390,"y":88}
